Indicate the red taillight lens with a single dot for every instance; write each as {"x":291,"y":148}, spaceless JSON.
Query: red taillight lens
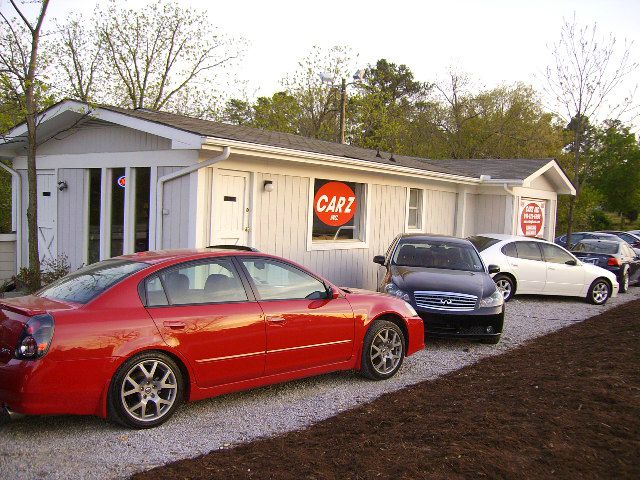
{"x":614,"y":262}
{"x":36,"y":338}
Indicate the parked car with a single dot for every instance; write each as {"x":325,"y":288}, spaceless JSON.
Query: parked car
{"x":635,"y":232}
{"x":617,"y":257}
{"x":132,"y":337}
{"x":447,"y":283}
{"x":533,"y":266}
{"x":632,"y":239}
{"x":577,"y":236}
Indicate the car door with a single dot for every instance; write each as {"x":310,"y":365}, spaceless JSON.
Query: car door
{"x":529,"y":268}
{"x":562,"y":278}
{"x":205,"y":311}
{"x":630,"y":257}
{"x":305,"y":326}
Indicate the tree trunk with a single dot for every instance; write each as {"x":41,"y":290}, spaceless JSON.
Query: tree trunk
{"x":577,"y":137}
{"x":572,"y":202}
{"x":32,"y":209}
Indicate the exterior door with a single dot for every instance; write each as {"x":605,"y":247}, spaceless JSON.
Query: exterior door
{"x":305,"y":326}
{"x":529,"y":268}
{"x":47,"y":214}
{"x":204,"y":311}
{"x":562,"y":278}
{"x":230,"y":222}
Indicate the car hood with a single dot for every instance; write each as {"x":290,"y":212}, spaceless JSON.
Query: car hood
{"x":411,"y":279}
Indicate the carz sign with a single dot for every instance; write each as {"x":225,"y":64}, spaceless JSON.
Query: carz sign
{"x":531,"y":218}
{"x":335,"y":204}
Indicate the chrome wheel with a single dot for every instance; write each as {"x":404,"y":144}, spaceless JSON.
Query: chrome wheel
{"x":504,"y":286}
{"x":625,"y":282}
{"x":386,"y":351}
{"x":600,"y":292}
{"x":148,"y":390}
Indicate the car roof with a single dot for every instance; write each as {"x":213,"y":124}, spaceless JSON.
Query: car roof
{"x":504,"y":237}
{"x":435,"y":237}
{"x":161,"y":256}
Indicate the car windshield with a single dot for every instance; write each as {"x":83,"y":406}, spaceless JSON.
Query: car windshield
{"x":437,"y":254}
{"x":482,"y":243}
{"x":89,"y":282}
{"x":609,"y":248}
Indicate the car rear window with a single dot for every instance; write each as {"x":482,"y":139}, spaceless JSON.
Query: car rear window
{"x":89,"y":282}
{"x":482,"y":243}
{"x":609,"y":248}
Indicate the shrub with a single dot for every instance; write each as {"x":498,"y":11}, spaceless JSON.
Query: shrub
{"x":51,"y":270}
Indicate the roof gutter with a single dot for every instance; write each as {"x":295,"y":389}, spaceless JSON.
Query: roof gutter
{"x":159,"y":212}
{"x":16,"y":216}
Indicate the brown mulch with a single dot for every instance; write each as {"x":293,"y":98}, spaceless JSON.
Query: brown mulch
{"x":566,"y":405}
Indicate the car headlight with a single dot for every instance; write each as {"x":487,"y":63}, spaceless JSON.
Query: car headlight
{"x":494,"y":300}
{"x":392,"y":289}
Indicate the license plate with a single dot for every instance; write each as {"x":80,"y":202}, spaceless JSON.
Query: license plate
{"x":591,"y":260}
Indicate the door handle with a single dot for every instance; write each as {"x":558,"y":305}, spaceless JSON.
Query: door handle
{"x":552,"y":268}
{"x":174,"y":324}
{"x":276,"y":319}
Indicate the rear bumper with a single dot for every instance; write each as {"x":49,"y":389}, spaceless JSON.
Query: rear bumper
{"x":478,"y":324}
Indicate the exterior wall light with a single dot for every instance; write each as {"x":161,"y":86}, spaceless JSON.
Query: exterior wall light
{"x":269,"y":186}
{"x":62,"y":185}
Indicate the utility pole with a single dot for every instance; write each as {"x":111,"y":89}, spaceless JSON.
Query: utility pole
{"x":343,"y":111}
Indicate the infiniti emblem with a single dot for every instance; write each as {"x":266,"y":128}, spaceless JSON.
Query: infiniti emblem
{"x":445,"y":301}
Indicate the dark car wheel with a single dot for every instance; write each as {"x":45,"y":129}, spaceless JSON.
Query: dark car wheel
{"x":491,"y":340}
{"x":624,"y":280}
{"x":383,"y":350}
{"x":506,"y":285}
{"x":146,"y":390}
{"x":599,"y":292}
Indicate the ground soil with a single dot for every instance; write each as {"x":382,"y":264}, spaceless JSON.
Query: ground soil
{"x":566,"y":405}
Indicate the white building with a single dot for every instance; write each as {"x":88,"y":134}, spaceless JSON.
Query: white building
{"x":113,"y":181}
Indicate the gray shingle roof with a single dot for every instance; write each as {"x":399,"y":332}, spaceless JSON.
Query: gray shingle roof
{"x":513,"y":169}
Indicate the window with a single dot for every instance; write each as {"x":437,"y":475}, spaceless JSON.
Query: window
{"x":280,"y":281}
{"x":155,"y":292}
{"x":414,"y":213}
{"x":416,"y":252}
{"x":510,"y":250}
{"x":628,"y":251}
{"x":553,"y":254}
{"x":482,"y":243}
{"x":89,"y":282}
{"x":529,"y":251}
{"x":95,"y":186}
{"x":597,"y":246}
{"x":211,"y":282}
{"x":338,"y":211}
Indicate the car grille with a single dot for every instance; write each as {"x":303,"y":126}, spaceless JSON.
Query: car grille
{"x":448,"y":301}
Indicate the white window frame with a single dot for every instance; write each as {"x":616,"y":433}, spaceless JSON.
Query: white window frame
{"x":342,"y":244}
{"x":421,"y":212}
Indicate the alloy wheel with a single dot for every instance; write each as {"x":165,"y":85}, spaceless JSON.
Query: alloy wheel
{"x":386,"y":351}
{"x":600,"y":292}
{"x":149,"y":390}
{"x":504,"y":286}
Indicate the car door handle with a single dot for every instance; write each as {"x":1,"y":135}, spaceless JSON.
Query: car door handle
{"x":551,"y":268}
{"x":276,"y":319}
{"x":174,"y":324}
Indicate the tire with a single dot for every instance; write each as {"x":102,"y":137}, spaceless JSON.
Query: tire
{"x":146,"y":391}
{"x":491,"y":341}
{"x":599,"y":292}
{"x":386,"y":339}
{"x":624,"y":281}
{"x":506,"y":285}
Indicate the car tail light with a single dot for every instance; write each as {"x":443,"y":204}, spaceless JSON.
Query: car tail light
{"x":614,"y":262}
{"x":36,"y":338}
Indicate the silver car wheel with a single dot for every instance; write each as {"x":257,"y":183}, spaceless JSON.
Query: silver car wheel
{"x":600,"y":292}
{"x":386,"y":351}
{"x":505,"y":287}
{"x":149,"y":390}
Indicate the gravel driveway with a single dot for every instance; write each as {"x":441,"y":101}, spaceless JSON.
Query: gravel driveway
{"x":86,"y":447}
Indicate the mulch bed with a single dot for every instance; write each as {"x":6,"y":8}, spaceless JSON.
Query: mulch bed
{"x":566,"y":405}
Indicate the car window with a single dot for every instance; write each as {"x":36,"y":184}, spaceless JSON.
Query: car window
{"x":214,"y":281}
{"x":482,"y":242}
{"x":417,"y":252}
{"x":597,"y":246}
{"x":529,"y":251}
{"x":276,"y":280}
{"x":627,"y":238}
{"x":628,"y":251}
{"x":89,"y":282}
{"x":554,"y":254}
{"x":510,"y":250}
{"x":155,"y":292}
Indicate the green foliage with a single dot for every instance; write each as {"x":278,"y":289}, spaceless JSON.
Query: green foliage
{"x":587,"y":213}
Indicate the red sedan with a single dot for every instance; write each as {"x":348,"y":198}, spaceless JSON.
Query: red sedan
{"x":132,"y":337}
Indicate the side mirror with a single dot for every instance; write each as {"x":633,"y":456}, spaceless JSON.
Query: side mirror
{"x":333,"y":293}
{"x":379,"y":259}
{"x":571,"y":262}
{"x":493,"y":269}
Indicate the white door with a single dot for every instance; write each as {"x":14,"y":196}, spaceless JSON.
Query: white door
{"x":529,"y":268}
{"x":47,"y":214}
{"x":230,"y":222}
{"x":562,"y":278}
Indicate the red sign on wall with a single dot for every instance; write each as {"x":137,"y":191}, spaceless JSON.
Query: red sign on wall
{"x":531,"y":218}
{"x":335,"y":204}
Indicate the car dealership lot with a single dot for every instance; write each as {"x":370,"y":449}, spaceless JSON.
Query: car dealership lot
{"x":85,"y":447}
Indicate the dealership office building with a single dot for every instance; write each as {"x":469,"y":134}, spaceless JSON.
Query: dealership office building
{"x":114,"y":181}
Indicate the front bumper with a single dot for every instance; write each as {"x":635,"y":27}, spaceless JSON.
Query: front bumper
{"x":481,"y":323}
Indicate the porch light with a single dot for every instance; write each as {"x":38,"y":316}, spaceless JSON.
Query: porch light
{"x":269,"y":186}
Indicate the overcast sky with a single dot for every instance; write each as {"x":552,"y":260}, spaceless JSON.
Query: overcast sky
{"x":497,"y":41}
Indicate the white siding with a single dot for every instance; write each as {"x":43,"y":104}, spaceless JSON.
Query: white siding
{"x":441,"y":212}
{"x":490,"y":213}
{"x":71,"y":222}
{"x":7,"y":256}
{"x":175,"y":224}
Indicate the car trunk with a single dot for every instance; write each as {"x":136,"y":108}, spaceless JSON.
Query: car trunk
{"x":597,"y":259}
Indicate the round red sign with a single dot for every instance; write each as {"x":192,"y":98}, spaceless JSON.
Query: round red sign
{"x":122,"y":181}
{"x":531,"y":219}
{"x":335,"y":203}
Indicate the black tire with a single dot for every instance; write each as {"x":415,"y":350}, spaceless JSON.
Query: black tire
{"x":373,"y":366}
{"x":624,"y":280}
{"x":163,"y":390}
{"x":598,"y":287}
{"x":492,"y":340}
{"x":506,"y":284}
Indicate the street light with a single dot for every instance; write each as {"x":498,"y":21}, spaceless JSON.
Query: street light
{"x":329,"y":79}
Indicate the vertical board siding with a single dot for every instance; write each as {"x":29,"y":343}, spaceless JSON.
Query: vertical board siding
{"x":490,"y":214}
{"x":175,"y":225}
{"x":71,"y":228}
{"x":470,"y":215}
{"x":440,"y":210}
{"x":7,"y":257}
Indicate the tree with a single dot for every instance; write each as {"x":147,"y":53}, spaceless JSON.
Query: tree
{"x":19,"y":61}
{"x":585,"y":74}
